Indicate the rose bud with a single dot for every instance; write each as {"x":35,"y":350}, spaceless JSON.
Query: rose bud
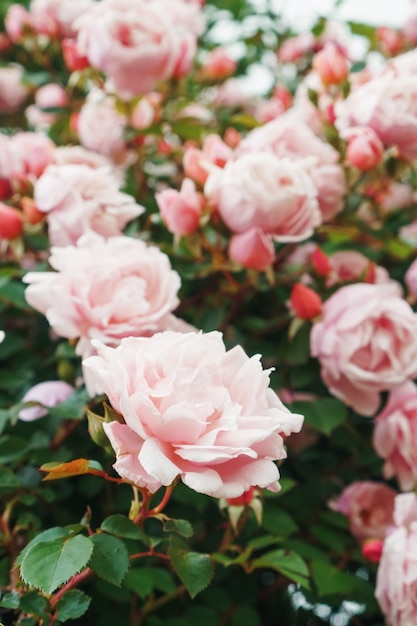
{"x":365,"y":149}
{"x":253,"y":249}
{"x":320,"y":262}
{"x":372,"y":550}
{"x":331,"y":65}
{"x":11,"y":222}
{"x":73,"y":59}
{"x":305,"y":302}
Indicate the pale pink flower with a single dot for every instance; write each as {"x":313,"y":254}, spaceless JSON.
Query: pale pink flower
{"x":49,"y":394}
{"x":194,"y":411}
{"x":17,"y":21}
{"x":218,"y":64}
{"x":289,"y":137}
{"x":78,"y":198}
{"x":330,"y":64}
{"x":396,"y":585}
{"x":181,"y":210}
{"x":47,"y":96}
{"x":197,"y":163}
{"x":105,"y":289}
{"x":101,"y":128}
{"x":395,"y":435}
{"x":369,"y":507}
{"x":366,"y":342}
{"x":32,"y":153}
{"x":56,"y":18}
{"x":388,"y":105}
{"x":350,"y":265}
{"x":261,"y":190}
{"x":120,"y":36}
{"x":364,"y":149}
{"x":12,"y":92}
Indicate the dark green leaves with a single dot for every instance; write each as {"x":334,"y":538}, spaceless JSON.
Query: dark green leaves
{"x":194,"y":569}
{"x":72,"y":605}
{"x":287,"y":563}
{"x":110,"y":559}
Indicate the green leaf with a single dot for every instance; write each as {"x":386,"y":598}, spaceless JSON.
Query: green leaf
{"x":180,"y":526}
{"x":123,"y":527}
{"x":278,"y":521}
{"x":8,"y":479}
{"x":330,"y":580}
{"x":323,"y":415}
{"x":72,"y":605}
{"x":14,"y":293}
{"x":10,"y":600}
{"x":287,"y":563}
{"x":143,"y":580}
{"x":44,"y":537}
{"x":34,"y":603}
{"x":12,"y":448}
{"x":48,"y":565}
{"x":194,"y":569}
{"x":110,"y":559}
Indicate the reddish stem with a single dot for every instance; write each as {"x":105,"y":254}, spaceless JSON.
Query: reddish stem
{"x":140,"y":555}
{"x":71,"y":584}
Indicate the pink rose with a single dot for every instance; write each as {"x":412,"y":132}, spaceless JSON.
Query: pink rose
{"x":364,"y":149}
{"x":289,"y":137}
{"x":50,"y":393}
{"x":395,"y":435}
{"x":181,"y":210}
{"x":17,"y":21}
{"x":396,"y":585}
{"x":56,"y":18}
{"x":12,"y":92}
{"x":77,"y":198}
{"x":263,"y":191}
{"x":388,"y":105}
{"x":105,"y":289}
{"x":218,"y":64}
{"x":411,"y":280}
{"x":252,"y":249}
{"x":331,"y":64}
{"x":350,"y":265}
{"x":192,"y":410}
{"x":369,"y":507}
{"x":197,"y":163}
{"x":35,"y":151}
{"x":120,"y":36}
{"x":48,"y":96}
{"x":366,"y":343}
{"x":101,"y":128}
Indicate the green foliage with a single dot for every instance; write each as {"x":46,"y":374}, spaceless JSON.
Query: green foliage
{"x":72,"y":605}
{"x":110,"y":558}
{"x":194,"y":569}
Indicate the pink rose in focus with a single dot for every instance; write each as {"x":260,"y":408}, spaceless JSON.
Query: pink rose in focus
{"x":364,"y":150}
{"x":395,"y":435}
{"x":366,"y":342}
{"x":252,"y":249}
{"x":289,"y":137}
{"x":105,"y":289}
{"x":78,"y":198}
{"x":101,"y":128}
{"x":49,"y":394}
{"x":263,"y":191}
{"x":192,"y":410}
{"x":396,"y":585}
{"x":369,"y":507}
{"x":181,"y":210}
{"x":120,"y":36}
{"x":12,"y":92}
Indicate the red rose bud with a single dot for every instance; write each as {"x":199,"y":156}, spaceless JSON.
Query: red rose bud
{"x":320,"y":262}
{"x":243,"y":500}
{"x":365,"y":149}
{"x":5,"y":188}
{"x":73,"y":59}
{"x":372,"y":549}
{"x":11,"y":222}
{"x":305,"y":302}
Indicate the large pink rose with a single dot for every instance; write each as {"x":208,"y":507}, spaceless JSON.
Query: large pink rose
{"x":290,"y":137}
{"x":79,"y":198}
{"x":396,"y":585}
{"x":105,"y":289}
{"x":366,"y":343}
{"x":388,"y":105}
{"x":395,"y":435}
{"x":137,"y":43}
{"x":369,"y":507}
{"x":261,"y":190}
{"x":192,"y":410}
